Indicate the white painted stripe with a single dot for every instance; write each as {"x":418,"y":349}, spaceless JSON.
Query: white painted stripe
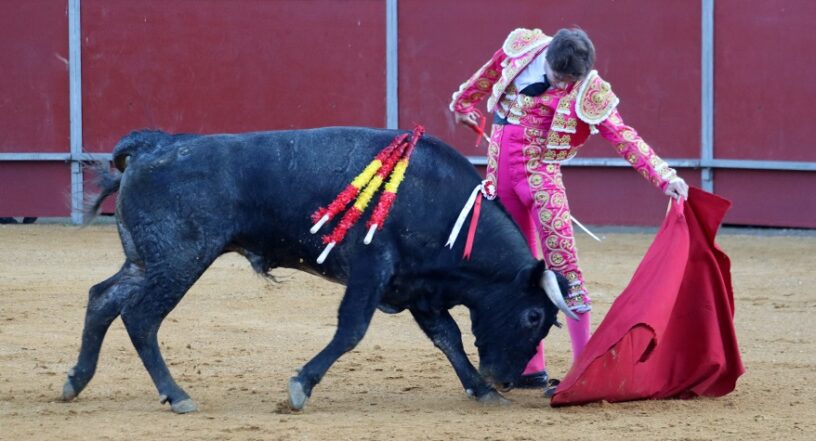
{"x":707,"y":94}
{"x":391,"y":65}
{"x":75,"y":100}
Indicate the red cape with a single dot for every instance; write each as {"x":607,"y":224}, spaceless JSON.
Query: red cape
{"x":670,"y":334}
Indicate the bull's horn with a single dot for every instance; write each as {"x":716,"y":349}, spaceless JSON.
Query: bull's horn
{"x":550,"y":285}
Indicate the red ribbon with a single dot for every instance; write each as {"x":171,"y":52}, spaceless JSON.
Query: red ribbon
{"x":474,"y":220}
{"x":480,"y":129}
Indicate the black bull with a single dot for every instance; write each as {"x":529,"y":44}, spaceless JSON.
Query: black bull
{"x":186,"y":199}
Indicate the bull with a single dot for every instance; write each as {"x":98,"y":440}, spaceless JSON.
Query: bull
{"x":186,"y":199}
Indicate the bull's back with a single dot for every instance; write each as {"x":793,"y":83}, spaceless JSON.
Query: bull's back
{"x":305,"y":169}
{"x":258,"y":190}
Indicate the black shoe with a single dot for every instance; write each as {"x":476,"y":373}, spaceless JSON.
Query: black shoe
{"x":537,"y":380}
{"x":551,"y":387}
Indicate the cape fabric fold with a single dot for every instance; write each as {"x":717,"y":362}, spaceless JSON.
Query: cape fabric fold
{"x":670,"y":334}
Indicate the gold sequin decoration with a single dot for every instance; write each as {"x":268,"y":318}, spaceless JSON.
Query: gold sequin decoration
{"x":555,"y":139}
{"x":560,"y":123}
{"x":532,"y":152}
{"x":643,"y":147}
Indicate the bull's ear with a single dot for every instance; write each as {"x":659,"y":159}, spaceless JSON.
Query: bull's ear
{"x":536,"y":274}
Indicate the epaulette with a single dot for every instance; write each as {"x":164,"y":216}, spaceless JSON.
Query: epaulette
{"x":521,"y":41}
{"x":595,"y":100}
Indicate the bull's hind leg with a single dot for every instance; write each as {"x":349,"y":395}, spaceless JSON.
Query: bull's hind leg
{"x":105,"y":302}
{"x":165,"y":285}
{"x":364,"y":291}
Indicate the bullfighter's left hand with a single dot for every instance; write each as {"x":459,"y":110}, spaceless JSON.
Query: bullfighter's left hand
{"x":677,"y":189}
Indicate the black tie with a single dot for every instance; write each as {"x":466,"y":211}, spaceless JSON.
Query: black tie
{"x":536,"y":89}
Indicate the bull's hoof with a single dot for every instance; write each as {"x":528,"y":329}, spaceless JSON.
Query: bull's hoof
{"x":297,"y":396}
{"x":184,"y":406}
{"x":68,"y":391}
{"x":493,"y":398}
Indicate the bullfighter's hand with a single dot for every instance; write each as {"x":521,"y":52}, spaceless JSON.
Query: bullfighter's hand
{"x":677,"y":189}
{"x":469,"y":119}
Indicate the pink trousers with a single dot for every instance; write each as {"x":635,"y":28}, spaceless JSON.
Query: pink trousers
{"x":533,"y":192}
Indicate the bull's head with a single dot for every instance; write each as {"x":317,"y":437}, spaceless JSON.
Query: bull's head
{"x":509,"y":326}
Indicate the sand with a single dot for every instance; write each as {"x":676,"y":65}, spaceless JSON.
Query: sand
{"x":235,"y":339}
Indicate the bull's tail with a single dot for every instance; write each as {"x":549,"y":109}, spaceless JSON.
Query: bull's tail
{"x":109,"y":183}
{"x":135,"y":144}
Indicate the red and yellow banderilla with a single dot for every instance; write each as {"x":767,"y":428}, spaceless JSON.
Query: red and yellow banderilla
{"x":391,"y":163}
{"x":389,"y":195}
{"x":325,"y":214}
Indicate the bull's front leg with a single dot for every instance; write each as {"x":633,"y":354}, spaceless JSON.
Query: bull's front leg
{"x":364,"y":291}
{"x":440,"y":327}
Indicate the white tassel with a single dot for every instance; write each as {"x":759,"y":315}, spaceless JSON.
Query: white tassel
{"x":370,"y":236}
{"x":462,"y":216}
{"x":322,"y":257}
{"x":319,"y":223}
{"x":586,"y":230}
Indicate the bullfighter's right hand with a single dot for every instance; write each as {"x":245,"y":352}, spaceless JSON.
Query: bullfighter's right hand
{"x":469,"y":119}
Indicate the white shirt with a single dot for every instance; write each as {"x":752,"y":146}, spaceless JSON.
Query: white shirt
{"x":533,"y":73}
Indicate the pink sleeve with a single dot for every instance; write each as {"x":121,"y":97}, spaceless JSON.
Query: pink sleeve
{"x":633,"y":149}
{"x":478,"y":86}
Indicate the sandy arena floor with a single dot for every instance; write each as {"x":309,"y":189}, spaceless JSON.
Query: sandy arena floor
{"x":235,"y":339}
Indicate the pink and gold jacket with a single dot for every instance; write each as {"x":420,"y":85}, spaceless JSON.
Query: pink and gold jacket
{"x":560,"y":120}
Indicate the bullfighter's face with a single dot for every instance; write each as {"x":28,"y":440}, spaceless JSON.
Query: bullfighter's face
{"x":559,"y":80}
{"x":508,"y":331}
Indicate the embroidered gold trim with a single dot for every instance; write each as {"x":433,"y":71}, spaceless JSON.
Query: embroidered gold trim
{"x":561,"y":124}
{"x":510,"y":68}
{"x":521,"y":41}
{"x":555,"y":141}
{"x":595,"y":101}
{"x":532,"y":152}
{"x":643,"y":147}
{"x":493,"y":154}
{"x":478,"y":75}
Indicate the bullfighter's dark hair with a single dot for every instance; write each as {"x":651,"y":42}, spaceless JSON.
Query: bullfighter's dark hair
{"x":571,"y":53}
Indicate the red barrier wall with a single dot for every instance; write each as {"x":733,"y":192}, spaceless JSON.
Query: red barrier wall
{"x":35,"y":189}
{"x":208,"y":66}
{"x":34,"y":107}
{"x":216,"y":66}
{"x":653,"y":65}
{"x":764,"y":69}
{"x":764,"y":93}
{"x":659,"y":88}
{"x":34,"y":98}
